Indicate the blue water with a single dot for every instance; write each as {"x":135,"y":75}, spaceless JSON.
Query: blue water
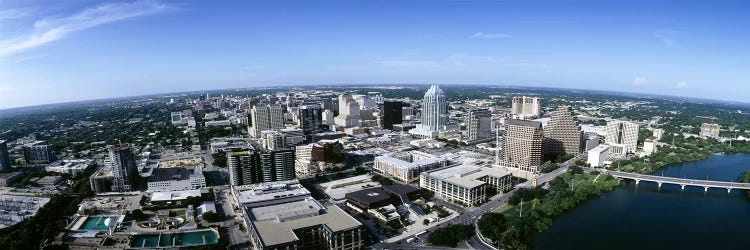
{"x":646,"y":217}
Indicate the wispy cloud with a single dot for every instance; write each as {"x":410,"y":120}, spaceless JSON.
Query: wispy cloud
{"x":640,"y":81}
{"x":16,"y":13}
{"x":680,"y":85}
{"x":667,"y":38}
{"x":48,"y":30}
{"x":491,"y":35}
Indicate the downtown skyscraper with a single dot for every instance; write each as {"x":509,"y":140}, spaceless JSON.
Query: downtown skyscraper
{"x":265,"y":117}
{"x":522,"y":146}
{"x":562,"y":133}
{"x":124,"y":168}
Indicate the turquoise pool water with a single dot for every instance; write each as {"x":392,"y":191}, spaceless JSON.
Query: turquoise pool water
{"x":193,"y":238}
{"x":95,"y":223}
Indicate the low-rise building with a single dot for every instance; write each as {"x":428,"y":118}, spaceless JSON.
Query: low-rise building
{"x":597,"y":155}
{"x":710,"y":130}
{"x":7,"y":179}
{"x":71,"y":167}
{"x":175,"y":179}
{"x":466,"y":185}
{"x":50,"y":181}
{"x":406,"y":166}
{"x":283,"y":215}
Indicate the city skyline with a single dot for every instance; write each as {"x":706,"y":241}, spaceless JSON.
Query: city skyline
{"x":92,"y":50}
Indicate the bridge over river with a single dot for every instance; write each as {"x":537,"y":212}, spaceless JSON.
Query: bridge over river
{"x":705,"y":184}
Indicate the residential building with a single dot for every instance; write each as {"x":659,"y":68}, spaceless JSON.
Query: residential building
{"x":273,"y":140}
{"x":465,"y":184}
{"x":4,"y":157}
{"x":392,"y":113}
{"x":101,"y":181}
{"x":265,"y":117}
{"x":38,"y":152}
{"x":478,"y":124}
{"x":522,"y":145}
{"x":526,"y":107}
{"x":597,"y":155}
{"x":649,"y":146}
{"x":249,"y":167}
{"x":406,"y":166}
{"x":710,"y":130}
{"x":562,"y":135}
{"x":124,"y":168}
{"x":176,"y":179}
{"x":623,"y":132}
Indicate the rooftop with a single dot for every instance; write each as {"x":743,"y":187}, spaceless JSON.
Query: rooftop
{"x":466,"y":175}
{"x":300,"y":214}
{"x":175,"y":195}
{"x":172,"y":174}
{"x":269,"y":191}
{"x":526,"y":123}
{"x":370,"y":195}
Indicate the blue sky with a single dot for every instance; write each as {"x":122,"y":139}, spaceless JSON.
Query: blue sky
{"x":81,"y":49}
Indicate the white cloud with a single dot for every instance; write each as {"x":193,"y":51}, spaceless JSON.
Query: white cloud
{"x":491,"y":35}
{"x":16,"y":13}
{"x":667,"y":38}
{"x":640,"y":81}
{"x":681,"y":85}
{"x":48,"y":30}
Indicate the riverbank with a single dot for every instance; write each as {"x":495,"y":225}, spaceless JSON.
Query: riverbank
{"x":534,"y":209}
{"x":646,"y":216}
{"x":520,"y":225}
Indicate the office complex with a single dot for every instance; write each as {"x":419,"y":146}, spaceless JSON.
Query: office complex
{"x":710,"y":130}
{"x":522,"y":145}
{"x":348,"y":111}
{"x":406,"y":166}
{"x":466,"y":185}
{"x":562,"y":135}
{"x":38,"y":152}
{"x":434,"y":113}
{"x":526,"y":107}
{"x":124,"y":168}
{"x":310,"y":118}
{"x":249,"y":167}
{"x":624,"y":133}
{"x":4,"y":157}
{"x":273,"y":140}
{"x":176,"y":179}
{"x":283,"y":215}
{"x":478,"y":124}
{"x":392,"y":113}
{"x":265,"y":117}
{"x":597,"y":155}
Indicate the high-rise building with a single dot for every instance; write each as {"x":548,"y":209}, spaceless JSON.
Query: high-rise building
{"x":248,"y":167}
{"x":348,"y":111}
{"x":124,"y":168}
{"x":623,"y":132}
{"x":526,"y":107}
{"x":4,"y":157}
{"x":434,"y":109}
{"x":273,"y":140}
{"x":327,"y":117}
{"x":710,"y":130}
{"x":434,"y":113}
{"x":478,"y":124}
{"x":522,"y":145}
{"x":38,"y":152}
{"x":392,"y":113}
{"x":562,"y":133}
{"x":310,"y":118}
{"x":244,"y":168}
{"x":266,"y":117}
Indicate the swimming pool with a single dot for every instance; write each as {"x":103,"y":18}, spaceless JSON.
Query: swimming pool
{"x":182,"y":239}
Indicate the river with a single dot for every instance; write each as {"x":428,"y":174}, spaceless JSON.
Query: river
{"x":644,"y":217}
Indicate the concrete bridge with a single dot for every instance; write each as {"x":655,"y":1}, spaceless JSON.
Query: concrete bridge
{"x":705,"y":184}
